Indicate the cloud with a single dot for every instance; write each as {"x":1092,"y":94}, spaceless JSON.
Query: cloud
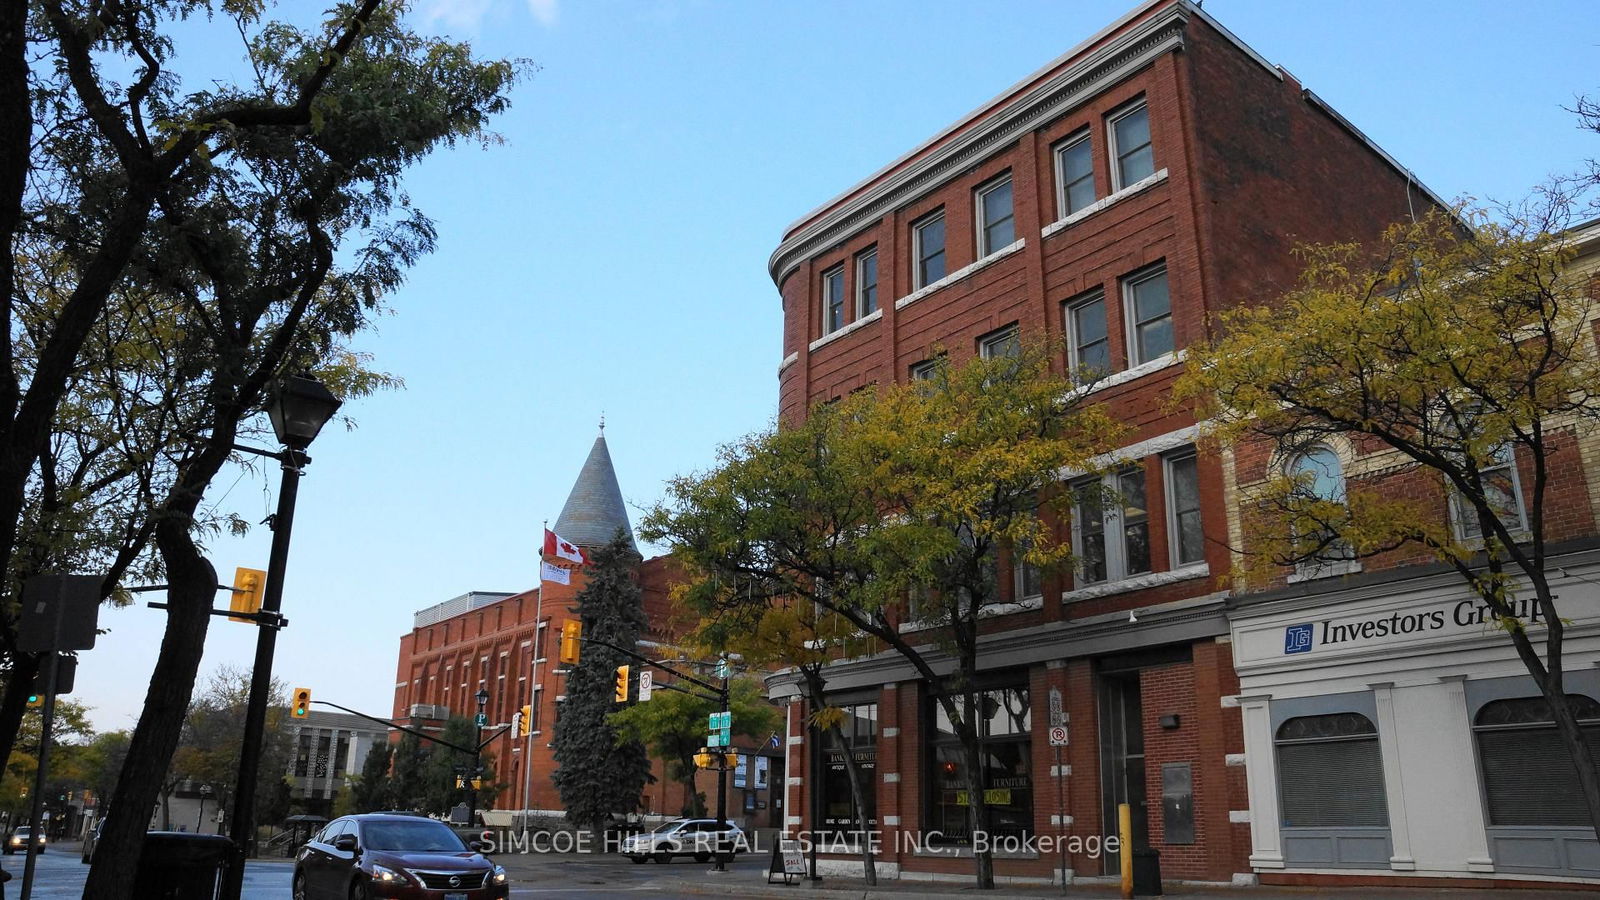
{"x":545,"y":11}
{"x":463,"y":15}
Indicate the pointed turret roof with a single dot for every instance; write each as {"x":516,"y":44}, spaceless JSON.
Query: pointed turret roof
{"x":594,"y":509}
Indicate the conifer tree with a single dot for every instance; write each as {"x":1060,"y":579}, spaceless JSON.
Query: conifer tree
{"x":597,"y":775}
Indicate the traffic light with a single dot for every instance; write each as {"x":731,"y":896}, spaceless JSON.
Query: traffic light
{"x":525,"y":727}
{"x":248,"y":586}
{"x":35,"y":700}
{"x":302,"y":703}
{"x":622,"y":684}
{"x":571,"y":641}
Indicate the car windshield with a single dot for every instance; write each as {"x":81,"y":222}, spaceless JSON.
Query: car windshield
{"x":668,"y":827}
{"x":420,"y":836}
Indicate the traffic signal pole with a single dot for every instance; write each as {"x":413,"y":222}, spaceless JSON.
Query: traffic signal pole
{"x":720,"y":864}
{"x":35,"y":827}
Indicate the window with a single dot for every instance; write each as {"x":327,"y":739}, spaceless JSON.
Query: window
{"x":1133,"y":159}
{"x":927,"y":238}
{"x":1330,"y":772}
{"x":1005,"y":736}
{"x":1502,"y":488}
{"x":1089,"y":341}
{"x":1113,"y":506}
{"x":860,"y":731}
{"x":996,"y":224}
{"x":1319,"y":478}
{"x":1148,"y":309}
{"x":925,"y":370}
{"x":832,"y":300}
{"x":1026,"y":579}
{"x":1528,"y":778}
{"x":1074,"y":175}
{"x":867,"y":283}
{"x":1183,"y":510}
{"x":1000,"y":343}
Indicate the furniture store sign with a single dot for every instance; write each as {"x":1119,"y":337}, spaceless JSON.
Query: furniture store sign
{"x":1465,"y":616}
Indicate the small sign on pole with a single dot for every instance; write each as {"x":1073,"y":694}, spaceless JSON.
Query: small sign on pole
{"x":1058,"y":736}
{"x":646,"y":684}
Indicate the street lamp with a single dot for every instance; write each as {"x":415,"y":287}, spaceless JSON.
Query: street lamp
{"x":477,"y":754}
{"x":298,"y":409}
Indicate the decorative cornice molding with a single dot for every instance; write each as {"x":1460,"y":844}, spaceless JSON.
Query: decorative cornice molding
{"x":1098,"y":71}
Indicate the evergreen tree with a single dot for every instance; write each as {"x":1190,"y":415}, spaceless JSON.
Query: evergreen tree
{"x":371,"y":790}
{"x":406,"y":787}
{"x":597,"y":774}
{"x":442,"y":764}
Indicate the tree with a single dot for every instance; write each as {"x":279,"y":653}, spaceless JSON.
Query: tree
{"x":208,"y":748}
{"x":371,"y":791}
{"x":443,"y":764}
{"x":1458,"y":347}
{"x":597,"y":774}
{"x":915,"y":488}
{"x":406,"y":786}
{"x":673,"y":726}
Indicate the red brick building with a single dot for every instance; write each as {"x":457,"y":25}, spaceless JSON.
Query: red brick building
{"x":506,"y":644}
{"x":1153,"y":175}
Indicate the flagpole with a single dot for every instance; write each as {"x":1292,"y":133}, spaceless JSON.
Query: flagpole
{"x":533,"y":689}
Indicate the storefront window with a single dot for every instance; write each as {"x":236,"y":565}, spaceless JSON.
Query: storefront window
{"x":860,"y":729}
{"x":1528,"y":776}
{"x":1005,"y":726}
{"x":1330,"y":772}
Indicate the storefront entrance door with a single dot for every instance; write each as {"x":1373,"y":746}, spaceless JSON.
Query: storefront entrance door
{"x":1122,"y":759}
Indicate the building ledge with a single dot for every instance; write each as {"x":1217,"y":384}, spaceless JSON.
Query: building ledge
{"x":1138,"y":582}
{"x":996,"y":609}
{"x":1132,"y":190}
{"x":788,"y":361}
{"x":960,"y":274}
{"x":840,"y":332}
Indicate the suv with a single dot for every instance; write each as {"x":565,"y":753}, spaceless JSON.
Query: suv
{"x":18,"y":840}
{"x":698,"y":838}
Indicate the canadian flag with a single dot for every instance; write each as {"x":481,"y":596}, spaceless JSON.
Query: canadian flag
{"x":555,"y":547}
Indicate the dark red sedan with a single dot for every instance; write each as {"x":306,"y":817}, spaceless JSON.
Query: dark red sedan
{"x":380,"y":855}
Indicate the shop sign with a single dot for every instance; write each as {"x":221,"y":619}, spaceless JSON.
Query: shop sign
{"x":1304,"y":637}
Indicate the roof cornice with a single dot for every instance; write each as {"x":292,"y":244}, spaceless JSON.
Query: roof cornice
{"x":1097,"y":69}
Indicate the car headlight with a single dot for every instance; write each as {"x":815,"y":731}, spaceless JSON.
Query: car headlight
{"x":498,"y":875}
{"x":386,"y":875}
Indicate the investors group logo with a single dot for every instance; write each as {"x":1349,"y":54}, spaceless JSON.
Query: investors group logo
{"x":1299,"y":638}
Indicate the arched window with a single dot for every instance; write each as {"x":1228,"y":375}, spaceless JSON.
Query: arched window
{"x":1528,"y":776}
{"x":1319,"y":478}
{"x":1330,"y":772}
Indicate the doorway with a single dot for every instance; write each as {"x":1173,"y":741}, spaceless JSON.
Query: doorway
{"x":1122,"y":760}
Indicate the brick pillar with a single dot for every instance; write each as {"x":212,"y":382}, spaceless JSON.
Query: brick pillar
{"x":1083,"y":760}
{"x":891,"y":762}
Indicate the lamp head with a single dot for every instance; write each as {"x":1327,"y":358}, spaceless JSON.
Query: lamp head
{"x":482,"y":696}
{"x":299,"y":408}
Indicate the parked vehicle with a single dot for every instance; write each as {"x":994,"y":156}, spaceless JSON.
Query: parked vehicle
{"x":699,"y":838}
{"x":18,"y":839}
{"x":92,"y":839}
{"x":377,"y":855}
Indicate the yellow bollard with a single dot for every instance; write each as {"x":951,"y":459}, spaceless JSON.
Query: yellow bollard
{"x":1125,"y":848}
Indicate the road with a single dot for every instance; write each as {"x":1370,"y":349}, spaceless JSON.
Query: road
{"x":59,"y":875}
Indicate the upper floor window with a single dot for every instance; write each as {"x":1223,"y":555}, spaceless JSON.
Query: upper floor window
{"x":1000,"y":343}
{"x":924,"y":370}
{"x":833,"y":300}
{"x":1132,"y":158}
{"x":1148,"y":309}
{"x":1183,"y":509}
{"x":1026,"y":579}
{"x":867,"y":283}
{"x":1074,"y":174}
{"x":927,"y":248}
{"x":1502,"y":488}
{"x":1111,"y":527}
{"x":996,"y":224}
{"x":1089,"y":341}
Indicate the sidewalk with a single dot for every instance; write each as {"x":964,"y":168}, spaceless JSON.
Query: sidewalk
{"x":740,"y":885}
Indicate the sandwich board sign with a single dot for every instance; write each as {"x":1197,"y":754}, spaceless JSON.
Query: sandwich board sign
{"x":787,"y":861}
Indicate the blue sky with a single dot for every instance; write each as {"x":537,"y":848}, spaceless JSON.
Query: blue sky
{"x":611,"y":258}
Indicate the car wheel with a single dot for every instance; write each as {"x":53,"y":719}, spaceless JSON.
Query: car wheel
{"x":358,"y":891}
{"x":636,"y":860}
{"x":701,"y":857}
{"x":299,"y":889}
{"x":662,"y":858}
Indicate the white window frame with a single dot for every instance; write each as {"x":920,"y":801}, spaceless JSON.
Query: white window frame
{"x":1170,"y":501}
{"x":827,"y":276}
{"x":1008,"y":334}
{"x":923,"y":370}
{"x":861,"y":259}
{"x":1063,"y":198}
{"x":979,"y":217}
{"x":1070,"y":325}
{"x":917,"y":227}
{"x":1459,"y":513}
{"x":1130,"y":320}
{"x":1115,"y":153}
{"x":1019,"y":568}
{"x":1111,"y":519}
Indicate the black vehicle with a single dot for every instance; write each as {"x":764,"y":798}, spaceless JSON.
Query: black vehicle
{"x":378,"y":855}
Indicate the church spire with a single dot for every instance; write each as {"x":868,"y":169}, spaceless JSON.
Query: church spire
{"x":594,"y":510}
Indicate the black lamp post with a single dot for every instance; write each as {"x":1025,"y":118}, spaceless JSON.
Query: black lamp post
{"x":299,"y":408}
{"x":477,"y":755}
{"x":200,"y":817}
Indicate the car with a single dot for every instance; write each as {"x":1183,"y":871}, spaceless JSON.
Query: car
{"x":698,"y":838}
{"x":91,"y":840}
{"x":18,"y":840}
{"x":384,"y":855}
